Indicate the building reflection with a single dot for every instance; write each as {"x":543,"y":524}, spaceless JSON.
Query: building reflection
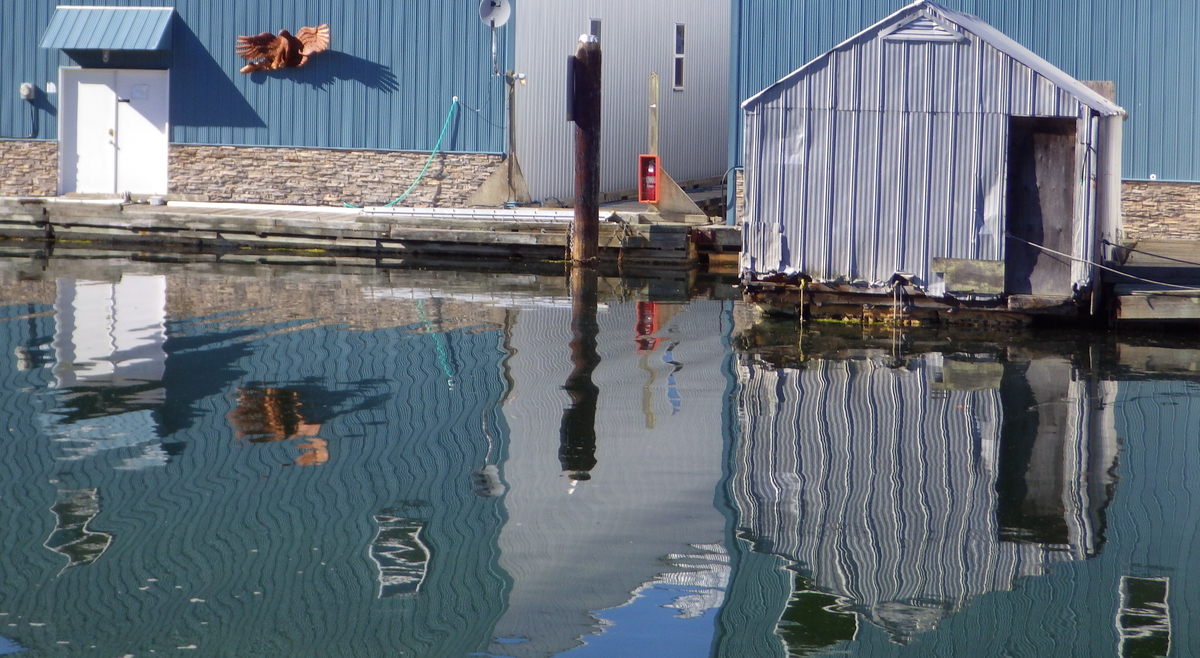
{"x":265,"y":415}
{"x":904,"y":488}
{"x":109,"y":363}
{"x":73,"y":510}
{"x":643,"y":526}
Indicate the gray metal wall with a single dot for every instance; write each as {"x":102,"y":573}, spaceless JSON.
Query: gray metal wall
{"x":637,"y":39}
{"x":889,"y":154}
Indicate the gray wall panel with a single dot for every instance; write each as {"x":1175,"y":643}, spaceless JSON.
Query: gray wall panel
{"x":637,"y":38}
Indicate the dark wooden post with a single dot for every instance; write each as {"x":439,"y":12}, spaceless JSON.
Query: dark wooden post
{"x":585,"y":108}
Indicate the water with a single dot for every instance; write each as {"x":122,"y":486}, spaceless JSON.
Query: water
{"x":223,"y":459}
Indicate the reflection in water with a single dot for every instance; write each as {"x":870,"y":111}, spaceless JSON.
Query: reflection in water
{"x":577,"y":432}
{"x":1055,"y":475}
{"x":884,"y":482}
{"x":7,"y":646}
{"x":596,"y":573}
{"x":109,"y":362}
{"x":265,"y":415}
{"x":399,"y":554}
{"x":1144,"y":619}
{"x":939,"y":498}
{"x":815,"y":621}
{"x":74,"y":510}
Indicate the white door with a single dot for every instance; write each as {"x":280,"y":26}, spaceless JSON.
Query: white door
{"x":113,"y":131}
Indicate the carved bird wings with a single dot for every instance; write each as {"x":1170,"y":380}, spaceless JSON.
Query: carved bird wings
{"x":267,"y":52}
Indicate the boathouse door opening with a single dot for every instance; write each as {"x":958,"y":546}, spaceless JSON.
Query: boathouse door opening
{"x":113,"y":131}
{"x":1041,"y":206}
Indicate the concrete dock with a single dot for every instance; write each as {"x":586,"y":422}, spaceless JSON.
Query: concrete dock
{"x":382,"y":233}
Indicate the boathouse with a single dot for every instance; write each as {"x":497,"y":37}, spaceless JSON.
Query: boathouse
{"x":931,"y":150}
{"x":1146,"y":47}
{"x":104,"y":97}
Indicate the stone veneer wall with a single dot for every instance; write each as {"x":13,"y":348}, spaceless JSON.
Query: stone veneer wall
{"x":28,"y":168}
{"x":307,"y":176}
{"x":1154,"y":210}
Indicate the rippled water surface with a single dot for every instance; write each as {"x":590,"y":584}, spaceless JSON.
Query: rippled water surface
{"x":222,"y":459}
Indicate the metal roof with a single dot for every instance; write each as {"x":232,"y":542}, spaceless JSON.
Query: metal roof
{"x":109,"y":28}
{"x":979,"y":28}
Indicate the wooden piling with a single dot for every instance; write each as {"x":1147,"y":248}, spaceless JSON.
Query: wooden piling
{"x":585,"y":103}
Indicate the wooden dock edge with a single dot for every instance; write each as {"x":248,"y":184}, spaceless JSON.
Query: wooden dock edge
{"x":338,"y":231}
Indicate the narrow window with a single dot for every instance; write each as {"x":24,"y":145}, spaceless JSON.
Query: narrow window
{"x":594,"y":29}
{"x":677,"y":82}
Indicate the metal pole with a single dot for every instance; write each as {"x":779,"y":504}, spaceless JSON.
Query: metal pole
{"x":585,"y":102}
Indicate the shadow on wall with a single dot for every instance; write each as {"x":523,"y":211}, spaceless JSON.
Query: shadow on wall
{"x":221,"y":104}
{"x":331,"y":66}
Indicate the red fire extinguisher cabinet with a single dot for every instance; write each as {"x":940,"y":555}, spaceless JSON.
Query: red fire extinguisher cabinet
{"x":649,"y":174}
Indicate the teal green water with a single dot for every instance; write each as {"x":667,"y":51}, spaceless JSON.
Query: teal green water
{"x":224,"y":460}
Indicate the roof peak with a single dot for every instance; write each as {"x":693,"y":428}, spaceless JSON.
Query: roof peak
{"x":949,"y":25}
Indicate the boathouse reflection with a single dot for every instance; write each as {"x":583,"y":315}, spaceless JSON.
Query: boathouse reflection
{"x":906,"y":488}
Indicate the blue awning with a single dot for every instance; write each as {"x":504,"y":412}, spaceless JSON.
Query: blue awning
{"x":109,"y":28}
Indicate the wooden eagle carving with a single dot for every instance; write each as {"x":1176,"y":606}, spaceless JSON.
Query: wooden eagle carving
{"x":267,"y":52}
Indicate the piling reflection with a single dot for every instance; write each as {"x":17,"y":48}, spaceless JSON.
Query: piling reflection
{"x":577,"y":432}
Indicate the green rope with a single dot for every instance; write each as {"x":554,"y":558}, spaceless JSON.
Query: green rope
{"x":436,"y":147}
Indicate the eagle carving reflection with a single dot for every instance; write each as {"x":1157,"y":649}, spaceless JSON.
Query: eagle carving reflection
{"x":268,"y":52}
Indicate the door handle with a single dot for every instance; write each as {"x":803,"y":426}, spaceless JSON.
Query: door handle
{"x":123,"y":100}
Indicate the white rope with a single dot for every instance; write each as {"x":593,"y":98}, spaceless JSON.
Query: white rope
{"x":1181,"y":288}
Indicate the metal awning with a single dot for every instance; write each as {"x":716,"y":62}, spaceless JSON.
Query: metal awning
{"x":109,"y":28}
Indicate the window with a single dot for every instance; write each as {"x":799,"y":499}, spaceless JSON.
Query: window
{"x":677,"y":80}
{"x":594,"y":29}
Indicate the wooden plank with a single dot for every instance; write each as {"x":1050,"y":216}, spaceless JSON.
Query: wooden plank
{"x":1149,"y":359}
{"x":1158,"y":307}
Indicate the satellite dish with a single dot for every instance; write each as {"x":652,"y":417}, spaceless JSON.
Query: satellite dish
{"x":495,"y":13}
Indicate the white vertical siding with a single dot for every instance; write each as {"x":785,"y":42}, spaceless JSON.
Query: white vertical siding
{"x":637,"y":38}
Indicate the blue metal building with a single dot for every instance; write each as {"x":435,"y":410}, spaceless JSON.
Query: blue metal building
{"x":145,"y":97}
{"x":386,"y":82}
{"x":1147,"y":47}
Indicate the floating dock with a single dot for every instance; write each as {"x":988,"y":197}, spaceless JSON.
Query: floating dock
{"x":1159,"y":282}
{"x":382,"y":233}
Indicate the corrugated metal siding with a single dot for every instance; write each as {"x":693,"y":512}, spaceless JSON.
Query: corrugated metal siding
{"x":108,"y":28}
{"x":637,"y":38}
{"x":386,"y":84}
{"x":883,"y":490}
{"x":892,"y":153}
{"x":1148,"y":47}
